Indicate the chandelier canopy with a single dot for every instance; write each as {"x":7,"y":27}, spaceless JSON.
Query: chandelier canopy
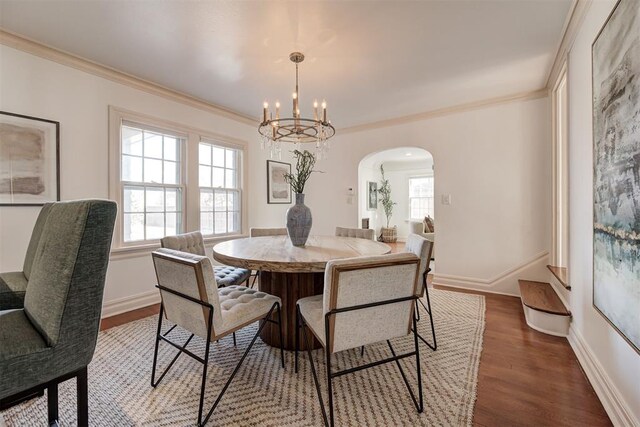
{"x":296,"y":129}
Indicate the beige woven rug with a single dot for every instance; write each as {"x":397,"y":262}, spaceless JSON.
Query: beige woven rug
{"x":263,"y":394}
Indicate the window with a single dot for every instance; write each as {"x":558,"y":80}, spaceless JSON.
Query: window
{"x":421,"y":197}
{"x":169,"y":179}
{"x":152,"y":188}
{"x":219,"y":178}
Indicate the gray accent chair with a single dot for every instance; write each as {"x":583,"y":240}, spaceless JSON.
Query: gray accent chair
{"x":13,"y":285}
{"x":192,"y":300}
{"x":359,"y":233}
{"x":423,"y":249}
{"x":52,"y":338}
{"x":366,"y":300}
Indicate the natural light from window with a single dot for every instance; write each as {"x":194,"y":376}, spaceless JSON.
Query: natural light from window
{"x":151,"y":184}
{"x":219,"y":189}
{"x":421,"y":197}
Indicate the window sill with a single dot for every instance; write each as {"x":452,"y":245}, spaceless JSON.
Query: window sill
{"x":127,"y":252}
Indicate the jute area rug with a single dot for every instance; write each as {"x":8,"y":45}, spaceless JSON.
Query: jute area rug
{"x":263,"y":394}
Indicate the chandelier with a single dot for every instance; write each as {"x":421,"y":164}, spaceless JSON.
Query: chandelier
{"x":298,"y":130}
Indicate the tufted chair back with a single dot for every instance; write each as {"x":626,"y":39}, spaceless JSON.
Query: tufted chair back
{"x":363,"y":280}
{"x":260,"y":232}
{"x":191,"y":275}
{"x":359,"y":233}
{"x":188,"y":242}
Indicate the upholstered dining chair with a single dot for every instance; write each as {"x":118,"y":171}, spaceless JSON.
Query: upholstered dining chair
{"x":264,"y":232}
{"x":13,"y":285}
{"x":423,"y":249}
{"x":360,"y":233}
{"x":261,"y":232}
{"x":52,"y":337}
{"x":365,"y":300}
{"x":192,"y":300}
{"x":193,"y":243}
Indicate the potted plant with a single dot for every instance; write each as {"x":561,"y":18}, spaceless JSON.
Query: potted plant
{"x":387,"y":234}
{"x":299,"y":215}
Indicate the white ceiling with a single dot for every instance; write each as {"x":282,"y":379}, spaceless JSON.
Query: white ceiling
{"x":371,"y":60}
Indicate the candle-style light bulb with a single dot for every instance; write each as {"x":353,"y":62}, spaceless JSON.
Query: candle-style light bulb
{"x":277,"y":110}
{"x":295,"y":102}
{"x":264,"y":111}
{"x":324,"y":111}
{"x":315,"y":109}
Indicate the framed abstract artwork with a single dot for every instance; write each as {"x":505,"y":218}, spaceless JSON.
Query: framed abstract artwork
{"x":372,"y":195}
{"x":29,"y":160}
{"x":278,"y":190}
{"x":616,"y":170}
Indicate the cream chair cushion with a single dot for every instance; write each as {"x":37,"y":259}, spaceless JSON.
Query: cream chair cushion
{"x":241,"y":306}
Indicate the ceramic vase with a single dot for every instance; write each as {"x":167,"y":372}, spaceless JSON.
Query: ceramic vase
{"x":299,"y":221}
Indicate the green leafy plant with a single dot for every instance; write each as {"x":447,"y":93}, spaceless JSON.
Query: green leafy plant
{"x":305,"y":161}
{"x":385,"y":196}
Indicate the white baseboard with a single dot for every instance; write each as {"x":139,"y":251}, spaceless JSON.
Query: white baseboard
{"x":617,"y":409}
{"x":505,"y":283}
{"x":122,"y":305}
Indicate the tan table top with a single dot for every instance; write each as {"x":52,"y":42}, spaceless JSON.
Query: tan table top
{"x":276,"y":253}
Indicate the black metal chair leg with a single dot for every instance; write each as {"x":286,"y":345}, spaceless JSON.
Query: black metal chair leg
{"x":313,"y":370}
{"x":362,"y":351}
{"x":281,"y":337}
{"x":418,"y":366}
{"x":329,"y":385}
{"x":52,"y":404}
{"x":297,"y":340}
{"x":237,"y":368}
{"x":234,"y":339}
{"x":205,"y":366}
{"x":155,"y":352}
{"x":82,"y":383}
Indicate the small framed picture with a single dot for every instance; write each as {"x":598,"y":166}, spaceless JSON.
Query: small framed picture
{"x":29,"y":160}
{"x":372,"y":195}
{"x":278,"y":190}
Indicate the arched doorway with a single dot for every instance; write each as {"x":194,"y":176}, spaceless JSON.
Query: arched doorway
{"x":410,"y":172}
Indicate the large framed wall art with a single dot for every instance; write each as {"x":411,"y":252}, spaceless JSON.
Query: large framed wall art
{"x":29,"y":160}
{"x":616,"y":170}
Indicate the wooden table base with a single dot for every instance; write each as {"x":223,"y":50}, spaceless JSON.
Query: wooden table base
{"x":290,"y":287}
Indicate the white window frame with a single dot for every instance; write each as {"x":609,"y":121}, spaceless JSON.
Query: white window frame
{"x":410,"y":198}
{"x":181,"y":185}
{"x":238,"y":188}
{"x":189,"y":177}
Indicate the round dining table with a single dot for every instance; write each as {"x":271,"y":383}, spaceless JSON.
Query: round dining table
{"x":291,"y":272}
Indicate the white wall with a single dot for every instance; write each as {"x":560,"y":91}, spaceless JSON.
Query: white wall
{"x":494,"y":162}
{"x":611,"y":364}
{"x":38,"y":87}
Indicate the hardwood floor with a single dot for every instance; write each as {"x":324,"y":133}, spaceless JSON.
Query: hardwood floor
{"x":526,"y":378}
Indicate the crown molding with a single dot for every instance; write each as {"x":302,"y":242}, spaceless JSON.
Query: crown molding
{"x":577,"y":13}
{"x":38,"y":49}
{"x":475,"y":105}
